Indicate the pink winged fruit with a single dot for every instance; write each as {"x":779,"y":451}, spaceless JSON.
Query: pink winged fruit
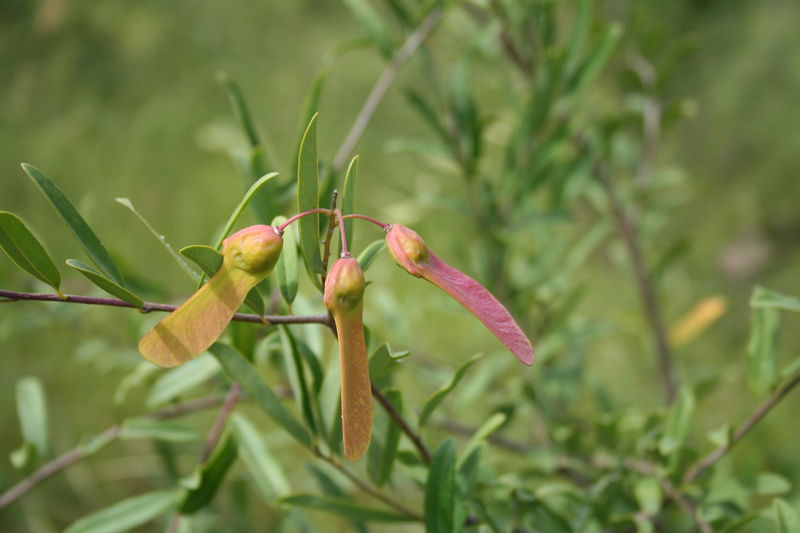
{"x":411,"y":253}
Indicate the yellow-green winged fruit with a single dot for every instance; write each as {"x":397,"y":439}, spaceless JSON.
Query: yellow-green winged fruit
{"x":249,"y":255}
{"x":344,"y":291}
{"x":411,"y":253}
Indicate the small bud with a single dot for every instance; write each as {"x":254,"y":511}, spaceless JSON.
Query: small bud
{"x":344,"y":286}
{"x":344,"y":291}
{"x":407,"y":248}
{"x":411,"y":253}
{"x":248,"y":257}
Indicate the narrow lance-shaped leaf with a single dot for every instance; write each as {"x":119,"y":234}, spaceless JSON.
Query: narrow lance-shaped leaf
{"x":22,"y":247}
{"x":127,"y":514}
{"x":345,"y":508}
{"x":308,"y":198}
{"x":104,"y":283}
{"x":241,"y":371}
{"x":787,"y":520}
{"x":212,"y":473}
{"x":259,"y":161}
{"x":440,"y":490}
{"x":286,"y":269}
{"x":125,"y":202}
{"x":32,"y":410}
{"x":410,"y":252}
{"x":762,"y":349}
{"x":249,"y":255}
{"x":344,"y":291}
{"x":348,"y":197}
{"x":75,"y":222}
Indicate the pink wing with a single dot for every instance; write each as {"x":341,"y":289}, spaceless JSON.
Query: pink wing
{"x":480,"y":302}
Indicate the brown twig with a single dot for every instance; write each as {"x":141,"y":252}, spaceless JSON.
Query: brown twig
{"x":709,"y":460}
{"x":395,"y":415}
{"x":644,"y":283}
{"x":219,"y":423}
{"x":72,"y":456}
{"x":375,"y":493}
{"x":404,"y":53}
{"x":15,"y":296}
{"x":686,"y":505}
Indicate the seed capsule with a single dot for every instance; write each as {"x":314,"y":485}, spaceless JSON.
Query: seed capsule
{"x":344,"y":291}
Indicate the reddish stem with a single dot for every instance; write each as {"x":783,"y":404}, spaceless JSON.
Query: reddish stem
{"x":282,"y":227}
{"x":342,"y":233}
{"x":369,"y":219}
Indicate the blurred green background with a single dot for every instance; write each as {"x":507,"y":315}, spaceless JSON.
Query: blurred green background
{"x":119,"y":99}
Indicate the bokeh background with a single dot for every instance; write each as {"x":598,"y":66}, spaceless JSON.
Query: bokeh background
{"x":119,"y":99}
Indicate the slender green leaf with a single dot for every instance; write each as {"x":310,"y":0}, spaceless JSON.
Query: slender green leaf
{"x":649,"y":495}
{"x":286,"y":269}
{"x":762,"y":349}
{"x":32,"y":412}
{"x":152,"y":428}
{"x":25,"y":250}
{"x":481,"y":434}
{"x":104,"y":283}
{"x":367,"y":257}
{"x":772,"y":484}
{"x":391,"y":440}
{"x":240,"y":370}
{"x":212,"y":473}
{"x":240,"y":109}
{"x":348,"y":199}
{"x":766,"y":298}
{"x":176,"y":381}
{"x":787,"y":519}
{"x":237,"y":212}
{"x":264,"y":469}
{"x":437,"y":397}
{"x":580,"y":31}
{"x":382,"y":361}
{"x":77,"y":225}
{"x":344,"y":508}
{"x":678,"y":423}
{"x":373,"y":24}
{"x":258,"y":161}
{"x":127,"y":514}
{"x":596,"y":61}
{"x":191,"y":272}
{"x":209,"y":260}
{"x":440,"y":490}
{"x":308,"y":198}
{"x":297,"y":378}
{"x":310,"y":109}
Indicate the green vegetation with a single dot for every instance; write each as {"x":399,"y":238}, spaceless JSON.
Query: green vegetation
{"x":619,"y":174}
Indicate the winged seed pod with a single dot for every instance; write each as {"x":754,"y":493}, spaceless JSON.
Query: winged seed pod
{"x":249,"y":255}
{"x":344,"y":291}
{"x":410,"y":252}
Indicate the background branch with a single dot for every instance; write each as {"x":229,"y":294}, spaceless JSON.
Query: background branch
{"x":411,"y":44}
{"x":395,"y":415}
{"x":706,"y":462}
{"x":72,"y":456}
{"x":644,"y":283}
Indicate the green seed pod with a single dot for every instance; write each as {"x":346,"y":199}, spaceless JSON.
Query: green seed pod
{"x":249,"y":255}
